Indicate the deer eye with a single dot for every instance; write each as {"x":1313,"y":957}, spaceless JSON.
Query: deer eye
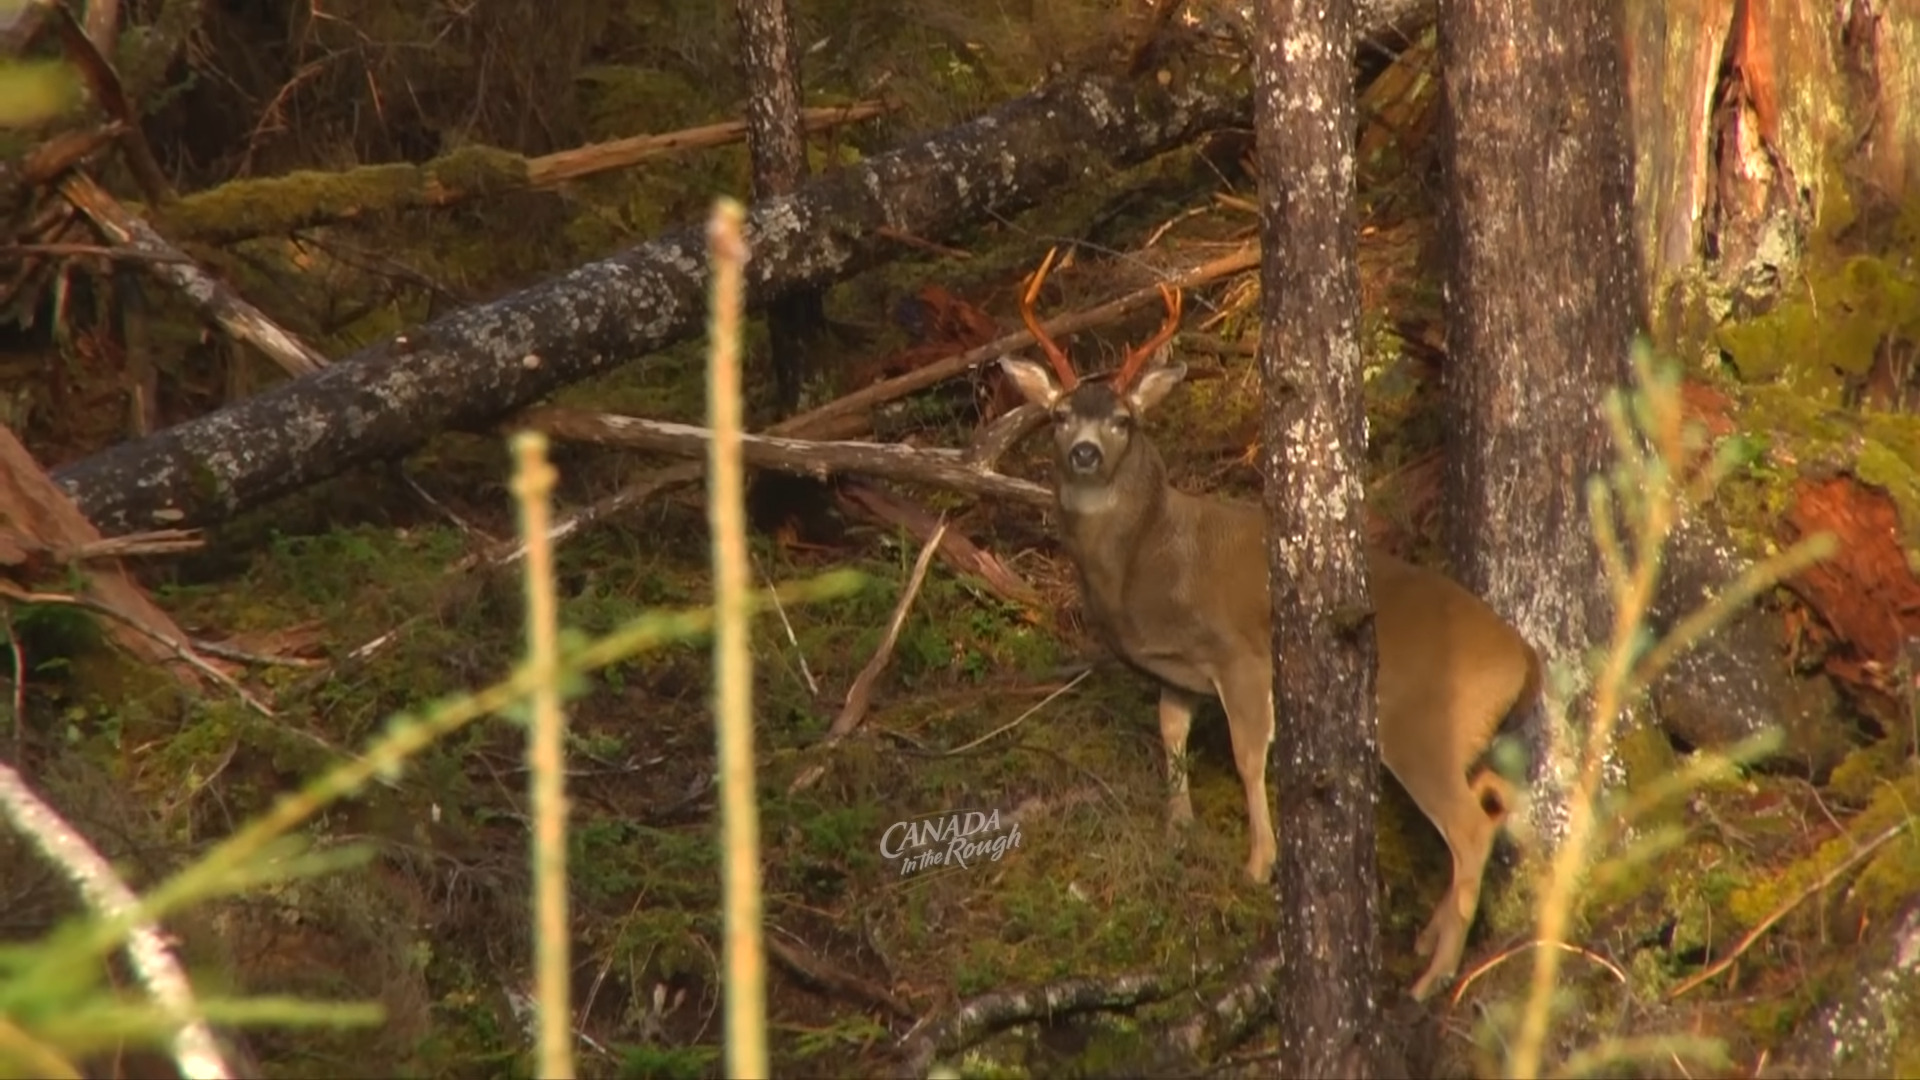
{"x":1121,"y":421}
{"x":1061,"y":417}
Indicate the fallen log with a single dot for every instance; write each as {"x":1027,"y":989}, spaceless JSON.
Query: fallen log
{"x":474,"y":365}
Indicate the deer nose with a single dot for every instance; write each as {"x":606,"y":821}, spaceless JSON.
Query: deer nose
{"x":1084,"y":457}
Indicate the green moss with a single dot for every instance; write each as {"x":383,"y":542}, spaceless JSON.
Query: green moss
{"x":1813,"y":342}
{"x":1896,"y":884}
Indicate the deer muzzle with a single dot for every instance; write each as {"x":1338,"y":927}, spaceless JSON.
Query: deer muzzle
{"x":1084,"y":457}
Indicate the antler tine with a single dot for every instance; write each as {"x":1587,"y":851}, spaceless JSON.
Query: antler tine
{"x":1137,"y":357}
{"x":1061,"y":365}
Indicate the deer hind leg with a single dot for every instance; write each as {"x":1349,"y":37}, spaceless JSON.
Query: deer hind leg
{"x":1176,"y":719}
{"x":1246,"y":693}
{"x":1469,"y":827}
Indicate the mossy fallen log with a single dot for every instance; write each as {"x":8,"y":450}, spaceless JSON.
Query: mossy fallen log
{"x":474,"y":365}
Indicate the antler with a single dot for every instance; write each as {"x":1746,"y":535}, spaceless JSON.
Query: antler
{"x":1062,"y":366}
{"x":1137,"y":356}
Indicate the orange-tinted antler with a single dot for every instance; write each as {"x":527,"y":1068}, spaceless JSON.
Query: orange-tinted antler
{"x":1137,"y":356}
{"x":1062,"y":366}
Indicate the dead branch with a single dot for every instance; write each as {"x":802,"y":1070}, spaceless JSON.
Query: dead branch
{"x":826,"y":978}
{"x":47,"y":160}
{"x":941,"y":468}
{"x":1231,"y":1015}
{"x":282,"y":204}
{"x":860,"y":695}
{"x":993,"y":1012}
{"x":234,"y":315}
{"x":40,"y":517}
{"x":104,"y":83}
{"x":956,"y":550}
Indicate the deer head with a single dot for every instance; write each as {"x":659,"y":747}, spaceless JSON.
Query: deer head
{"x":1093,"y":422}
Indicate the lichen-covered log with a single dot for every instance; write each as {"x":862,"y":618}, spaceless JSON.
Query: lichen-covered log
{"x":476,"y":364}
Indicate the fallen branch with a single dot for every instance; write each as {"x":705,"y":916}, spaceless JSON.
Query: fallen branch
{"x":860,"y":695}
{"x":475,"y":365}
{"x":819,"y":975}
{"x":241,"y":320}
{"x":277,"y":205}
{"x":40,"y":518}
{"x":1231,"y":1015}
{"x":1740,"y":948}
{"x":941,"y":468}
{"x":958,"y":552}
{"x":994,"y":1012}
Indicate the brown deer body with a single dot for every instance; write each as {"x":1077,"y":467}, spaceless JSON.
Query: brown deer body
{"x":1176,"y":585}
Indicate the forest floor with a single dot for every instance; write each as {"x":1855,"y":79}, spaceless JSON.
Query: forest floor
{"x":989,"y":704}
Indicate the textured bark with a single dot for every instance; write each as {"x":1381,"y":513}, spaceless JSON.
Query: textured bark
{"x":777,"y":146}
{"x":474,"y":365}
{"x":1324,"y":760}
{"x":1543,"y":298}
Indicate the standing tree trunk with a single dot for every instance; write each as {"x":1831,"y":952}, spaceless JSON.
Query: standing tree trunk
{"x":1324,"y":762}
{"x":776,"y":142}
{"x":1544,"y":297}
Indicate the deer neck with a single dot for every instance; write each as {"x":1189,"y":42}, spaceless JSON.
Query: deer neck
{"x":1104,"y":524}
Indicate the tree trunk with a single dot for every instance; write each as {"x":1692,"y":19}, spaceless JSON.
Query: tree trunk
{"x":1324,"y":760}
{"x":777,"y":144}
{"x":1544,"y":296}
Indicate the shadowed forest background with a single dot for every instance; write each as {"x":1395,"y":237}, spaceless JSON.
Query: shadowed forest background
{"x":340,"y":176}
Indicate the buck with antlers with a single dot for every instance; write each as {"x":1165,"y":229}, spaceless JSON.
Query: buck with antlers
{"x":1176,"y":585}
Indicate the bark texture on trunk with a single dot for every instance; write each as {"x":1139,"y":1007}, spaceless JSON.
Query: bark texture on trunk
{"x":1544,"y":295}
{"x":776,"y":143}
{"x":1324,"y":760}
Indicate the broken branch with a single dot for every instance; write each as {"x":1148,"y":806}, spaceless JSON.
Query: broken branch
{"x":234,"y":315}
{"x":942,"y":468}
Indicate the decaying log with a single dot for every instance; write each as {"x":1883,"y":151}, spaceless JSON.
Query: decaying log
{"x":277,"y":205}
{"x":477,"y":364}
{"x":938,"y":467}
{"x":234,"y":315}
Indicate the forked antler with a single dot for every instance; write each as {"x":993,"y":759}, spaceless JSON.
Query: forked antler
{"x":1062,"y":366}
{"x":1136,"y":357}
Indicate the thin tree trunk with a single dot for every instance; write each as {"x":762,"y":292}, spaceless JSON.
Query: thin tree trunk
{"x":1324,"y":760}
{"x":776,"y":142}
{"x":1544,"y":297}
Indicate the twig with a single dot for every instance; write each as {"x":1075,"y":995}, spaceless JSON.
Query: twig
{"x":19,"y":684}
{"x":820,"y":975}
{"x":1018,"y":720}
{"x":104,"y":83}
{"x":195,"y":1052}
{"x":91,"y":251}
{"x":813,"y":685}
{"x":860,"y":695}
{"x":178,"y":647}
{"x":1746,"y":942}
{"x":746,"y":962}
{"x":1537,"y":943}
{"x":546,"y":759}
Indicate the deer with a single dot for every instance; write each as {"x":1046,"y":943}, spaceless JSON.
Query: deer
{"x":1176,"y":585}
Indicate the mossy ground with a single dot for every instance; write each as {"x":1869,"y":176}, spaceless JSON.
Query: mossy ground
{"x":436,"y":927}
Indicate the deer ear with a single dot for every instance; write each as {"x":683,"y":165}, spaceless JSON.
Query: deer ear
{"x":1153,"y":386}
{"x":1034,"y":382}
